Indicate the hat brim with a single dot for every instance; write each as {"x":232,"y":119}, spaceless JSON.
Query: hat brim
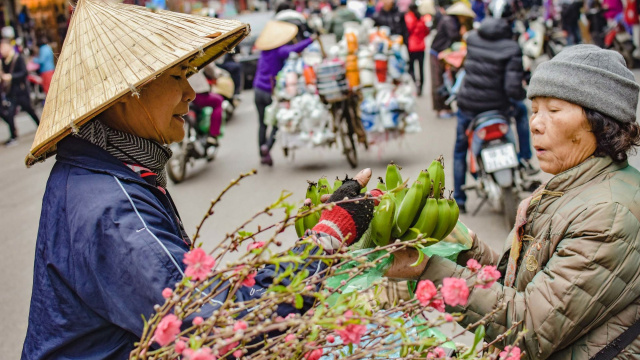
{"x":275,"y":34}
{"x":459,"y":9}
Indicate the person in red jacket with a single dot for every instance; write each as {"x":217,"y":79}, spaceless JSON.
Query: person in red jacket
{"x":418,"y":30}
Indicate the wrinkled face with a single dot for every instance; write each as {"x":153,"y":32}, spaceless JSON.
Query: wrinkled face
{"x":561,"y":134}
{"x":158,"y":113}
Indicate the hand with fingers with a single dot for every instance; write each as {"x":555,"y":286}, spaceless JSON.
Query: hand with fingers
{"x":348,"y":220}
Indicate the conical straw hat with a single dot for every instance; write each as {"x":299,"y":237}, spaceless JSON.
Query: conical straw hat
{"x":461,"y":9}
{"x":275,"y":34}
{"x":111,"y":50}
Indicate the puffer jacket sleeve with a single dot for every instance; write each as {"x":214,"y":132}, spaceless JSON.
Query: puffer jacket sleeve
{"x":514,"y":77}
{"x":592,"y":275}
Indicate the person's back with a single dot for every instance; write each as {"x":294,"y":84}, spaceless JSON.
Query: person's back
{"x":493,"y":67}
{"x":339,"y":18}
{"x":390,"y":16}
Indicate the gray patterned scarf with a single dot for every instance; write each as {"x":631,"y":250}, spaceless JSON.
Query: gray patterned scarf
{"x":130,"y":149}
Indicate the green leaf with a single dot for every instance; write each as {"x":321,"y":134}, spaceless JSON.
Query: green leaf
{"x":299,"y":301}
{"x":278,"y":289}
{"x":420,"y":259}
{"x":245,"y":234}
{"x":479,"y":336}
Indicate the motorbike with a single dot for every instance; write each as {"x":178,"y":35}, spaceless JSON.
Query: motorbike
{"x":494,"y":164}
{"x":618,"y":37}
{"x":194,"y":146}
{"x":538,"y":38}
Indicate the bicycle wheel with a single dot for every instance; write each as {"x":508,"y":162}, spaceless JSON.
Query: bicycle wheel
{"x":345,"y":131}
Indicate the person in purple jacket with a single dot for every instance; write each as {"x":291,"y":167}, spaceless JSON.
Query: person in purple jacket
{"x":274,"y":44}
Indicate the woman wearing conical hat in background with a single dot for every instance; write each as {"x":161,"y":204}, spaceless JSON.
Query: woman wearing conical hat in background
{"x":274,"y":44}
{"x":110,"y":237}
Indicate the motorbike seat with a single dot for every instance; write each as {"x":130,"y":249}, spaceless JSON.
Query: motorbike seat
{"x":486,"y":116}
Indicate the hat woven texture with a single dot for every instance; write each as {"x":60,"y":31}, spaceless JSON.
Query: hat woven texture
{"x":461,"y":9}
{"x":111,"y":50}
{"x":275,"y":34}
{"x":591,"y":77}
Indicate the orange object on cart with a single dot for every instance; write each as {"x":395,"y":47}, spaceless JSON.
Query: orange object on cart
{"x":352,"y":43}
{"x":309,"y":75}
{"x":353,"y":75}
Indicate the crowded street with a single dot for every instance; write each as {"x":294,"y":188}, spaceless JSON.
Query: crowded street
{"x":23,"y":188}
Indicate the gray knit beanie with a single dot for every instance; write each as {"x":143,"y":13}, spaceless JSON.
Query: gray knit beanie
{"x":591,"y":77}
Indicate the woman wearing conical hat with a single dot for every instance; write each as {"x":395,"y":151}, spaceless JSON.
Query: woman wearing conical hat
{"x":274,"y":44}
{"x":110,"y":237}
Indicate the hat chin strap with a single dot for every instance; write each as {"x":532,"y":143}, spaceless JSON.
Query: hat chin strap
{"x":150,"y":120}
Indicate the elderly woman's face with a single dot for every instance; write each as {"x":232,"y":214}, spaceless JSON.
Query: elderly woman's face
{"x":157,"y":114}
{"x":561,"y":134}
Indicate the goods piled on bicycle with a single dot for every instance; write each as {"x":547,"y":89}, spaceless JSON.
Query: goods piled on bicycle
{"x":302,"y":118}
{"x":376,"y":65}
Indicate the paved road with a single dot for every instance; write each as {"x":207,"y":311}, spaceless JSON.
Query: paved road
{"x":21,"y":192}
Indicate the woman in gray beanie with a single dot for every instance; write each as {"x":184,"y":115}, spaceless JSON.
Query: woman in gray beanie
{"x":570,"y":271}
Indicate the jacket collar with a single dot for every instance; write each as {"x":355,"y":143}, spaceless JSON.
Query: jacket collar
{"x":583,"y":173}
{"x":81,"y":153}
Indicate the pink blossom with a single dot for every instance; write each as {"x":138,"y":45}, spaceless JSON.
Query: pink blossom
{"x":437,"y":353}
{"x":197,"y":320}
{"x":255,"y":245}
{"x":166,"y":293}
{"x":352,"y":333}
{"x":204,"y":353}
{"x":180,"y":346}
{"x":313,"y":354}
{"x":510,"y":353}
{"x":240,"y":325}
{"x":330,"y":339}
{"x":425,"y":291}
{"x":199,"y":264}
{"x":437,"y":304}
{"x":230,"y":346}
{"x":448,"y":317}
{"x":473,"y":265}
{"x":289,"y":338}
{"x":279,"y":319}
{"x":487,"y":276}
{"x":167,"y":330}
{"x":290,"y":316}
{"x":237,"y":354}
{"x":250,"y":280}
{"x":455,"y":291}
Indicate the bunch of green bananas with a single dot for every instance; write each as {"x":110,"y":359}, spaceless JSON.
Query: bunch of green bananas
{"x":420,"y":210}
{"x":314,"y":193}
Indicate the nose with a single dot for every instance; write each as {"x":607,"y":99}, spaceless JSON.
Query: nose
{"x":536,"y":123}
{"x":188,"y":95}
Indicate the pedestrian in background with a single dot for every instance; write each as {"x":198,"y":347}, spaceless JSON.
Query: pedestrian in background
{"x":389,"y":15}
{"x":339,"y":17}
{"x":14,"y":84}
{"x":205,"y":97}
{"x":418,"y":30}
{"x":274,"y":44}
{"x":46,"y":62}
{"x":450,"y":29}
{"x":570,"y":20}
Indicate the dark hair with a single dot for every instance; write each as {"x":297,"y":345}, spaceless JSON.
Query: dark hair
{"x":614,"y":139}
{"x":285,"y":5}
{"x":414,"y":9}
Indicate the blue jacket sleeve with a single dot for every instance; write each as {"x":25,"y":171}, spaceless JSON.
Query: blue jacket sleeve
{"x":126,"y":253}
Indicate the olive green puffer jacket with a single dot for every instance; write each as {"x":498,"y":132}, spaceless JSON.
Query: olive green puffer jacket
{"x":580,"y":288}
